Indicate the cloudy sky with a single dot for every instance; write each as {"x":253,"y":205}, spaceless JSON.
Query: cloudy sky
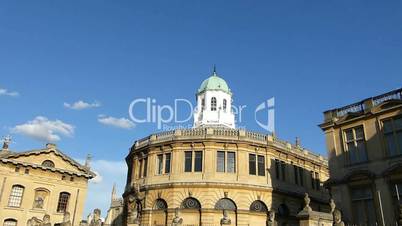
{"x":70,"y":69}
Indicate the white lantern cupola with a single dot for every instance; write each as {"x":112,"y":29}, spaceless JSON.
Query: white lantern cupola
{"x":214,"y":104}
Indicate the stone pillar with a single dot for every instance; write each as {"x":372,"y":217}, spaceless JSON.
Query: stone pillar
{"x":313,"y":218}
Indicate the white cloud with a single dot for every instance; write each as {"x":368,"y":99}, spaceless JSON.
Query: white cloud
{"x":116,"y":122}
{"x":99,"y":192}
{"x":80,"y":105}
{"x":5,"y":92}
{"x":44,"y":129}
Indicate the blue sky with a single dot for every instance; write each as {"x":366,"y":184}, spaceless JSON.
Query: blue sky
{"x":310,"y":55}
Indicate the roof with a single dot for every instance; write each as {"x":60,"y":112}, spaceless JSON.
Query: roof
{"x":12,"y":157}
{"x":214,"y":82}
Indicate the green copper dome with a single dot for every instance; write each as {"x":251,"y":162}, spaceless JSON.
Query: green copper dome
{"x":214,"y":83}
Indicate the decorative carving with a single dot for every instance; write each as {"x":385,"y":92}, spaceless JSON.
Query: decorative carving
{"x":191,"y":203}
{"x":96,"y":221}
{"x":338,"y":218}
{"x":34,"y":222}
{"x":225,"y":220}
{"x":134,"y":205}
{"x":46,"y":220}
{"x":307,"y":202}
{"x":258,"y":206}
{"x":39,"y":202}
{"x":226,"y":194}
{"x":271,"y":219}
{"x":160,"y":204}
{"x":177,"y":220}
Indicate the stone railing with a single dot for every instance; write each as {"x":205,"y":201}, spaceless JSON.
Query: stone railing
{"x":364,"y":105}
{"x":230,"y":135}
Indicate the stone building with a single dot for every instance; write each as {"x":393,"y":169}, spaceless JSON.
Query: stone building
{"x":41,"y":182}
{"x":364,"y":142}
{"x":215,"y":174}
{"x":114,"y":215}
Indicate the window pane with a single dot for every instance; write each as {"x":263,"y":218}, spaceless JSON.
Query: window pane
{"x":167,"y":163}
{"x":398,"y":123}
{"x":399,"y":140}
{"x":15,"y":199}
{"x":387,"y":126}
{"x":224,"y":104}
{"x":141,"y":166}
{"x":391,"y":146}
{"x":231,"y":162}
{"x":198,"y":161}
{"x":188,"y":165}
{"x":220,"y":161}
{"x":349,"y":135}
{"x":213,"y":104}
{"x":261,"y":165}
{"x":361,"y":147}
{"x":317,"y":181}
{"x":251,"y":164}
{"x":277,"y":168}
{"x":159,"y":164}
{"x":359,"y":133}
{"x":352,"y":152}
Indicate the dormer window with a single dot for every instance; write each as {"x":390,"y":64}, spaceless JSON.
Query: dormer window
{"x":48,"y":163}
{"x":213,"y":104}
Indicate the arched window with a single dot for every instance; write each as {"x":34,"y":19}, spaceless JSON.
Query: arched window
{"x":258,"y":206}
{"x":17,"y":191}
{"x":48,"y":163}
{"x":160,"y":204}
{"x":202,"y":104}
{"x":10,"y":222}
{"x":62,"y":205}
{"x":225,"y":204}
{"x":190,"y":203}
{"x":213,"y":104}
{"x":224,"y":105}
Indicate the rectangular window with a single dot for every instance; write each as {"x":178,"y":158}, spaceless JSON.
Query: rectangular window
{"x":15,"y":199}
{"x":317,"y":181}
{"x":283,"y":171}
{"x":363,"y":206}
{"x":63,"y":202}
{"x":393,"y":136}
{"x":220,"y":161}
{"x":355,"y":145}
{"x":277,"y":169}
{"x":251,"y":164}
{"x":301,"y":176}
{"x":159,"y":164}
{"x":261,"y":165}
{"x":231,"y":162}
{"x":145,"y":167}
{"x":141,"y":167}
{"x":167,"y":163}
{"x":198,"y":161}
{"x":188,"y":161}
{"x":296,"y":174}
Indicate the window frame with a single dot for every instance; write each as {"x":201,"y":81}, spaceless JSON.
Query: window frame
{"x":355,"y":140}
{"x":394,"y":132}
{"x":10,"y":220}
{"x":62,"y":207}
{"x":226,"y":161}
{"x":194,"y":166}
{"x":15,"y":198}
{"x":213,"y":104}
{"x":252,"y":164}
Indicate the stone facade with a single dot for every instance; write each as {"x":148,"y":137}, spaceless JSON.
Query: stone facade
{"x":364,"y":142}
{"x":38,"y":187}
{"x":217,"y":176}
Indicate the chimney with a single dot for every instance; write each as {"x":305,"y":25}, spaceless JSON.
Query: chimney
{"x":88,"y":161}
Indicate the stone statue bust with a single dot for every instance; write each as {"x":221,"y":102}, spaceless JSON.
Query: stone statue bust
{"x":38,"y":203}
{"x":271,"y":218}
{"x":225,"y":220}
{"x":338,"y":218}
{"x":177,"y":221}
{"x":96,"y":221}
{"x":46,"y":220}
{"x":66,"y":219}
